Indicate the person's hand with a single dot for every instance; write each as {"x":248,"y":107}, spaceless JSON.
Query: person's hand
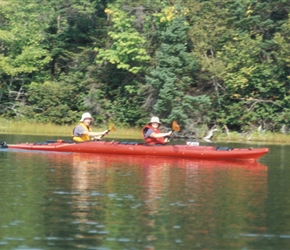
{"x":96,"y":138}
{"x":106,"y":132}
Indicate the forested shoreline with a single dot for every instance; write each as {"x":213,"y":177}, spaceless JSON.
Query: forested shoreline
{"x":215,"y":63}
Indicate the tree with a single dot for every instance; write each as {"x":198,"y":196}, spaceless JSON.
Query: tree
{"x":123,"y":57}
{"x":125,"y":50}
{"x":253,"y":81}
{"x":171,"y":77}
{"x":21,"y":50}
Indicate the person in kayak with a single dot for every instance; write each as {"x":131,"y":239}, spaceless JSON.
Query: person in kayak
{"x":152,"y":135}
{"x":83,"y":132}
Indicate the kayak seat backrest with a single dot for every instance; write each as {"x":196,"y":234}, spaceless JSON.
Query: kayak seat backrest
{"x":223,"y":148}
{"x":145,"y":131}
{"x":52,"y":141}
{"x":59,"y":141}
{"x":128,"y":143}
{"x":152,"y":145}
{"x":42,"y":143}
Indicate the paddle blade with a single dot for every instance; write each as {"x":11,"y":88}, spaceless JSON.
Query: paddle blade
{"x":175,"y":126}
{"x":112,"y":127}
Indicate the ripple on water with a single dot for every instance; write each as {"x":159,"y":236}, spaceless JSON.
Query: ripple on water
{"x":99,"y":248}
{"x":27,"y":248}
{"x":253,"y":235}
{"x":14,"y":239}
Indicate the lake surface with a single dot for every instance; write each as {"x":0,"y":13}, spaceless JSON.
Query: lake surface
{"x":109,"y":202}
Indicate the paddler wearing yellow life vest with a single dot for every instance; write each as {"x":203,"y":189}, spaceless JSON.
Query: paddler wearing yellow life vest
{"x":83,"y":132}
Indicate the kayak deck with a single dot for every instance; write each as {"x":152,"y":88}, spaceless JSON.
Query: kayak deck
{"x":133,"y":148}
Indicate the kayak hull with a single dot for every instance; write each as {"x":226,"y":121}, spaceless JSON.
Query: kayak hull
{"x":184,"y":151}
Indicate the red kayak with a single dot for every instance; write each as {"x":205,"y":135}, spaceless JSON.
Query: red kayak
{"x":133,"y":148}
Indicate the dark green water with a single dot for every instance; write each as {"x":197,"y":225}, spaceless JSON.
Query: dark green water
{"x":78,"y":201}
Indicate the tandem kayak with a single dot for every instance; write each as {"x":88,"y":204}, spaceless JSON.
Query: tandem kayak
{"x":133,"y":148}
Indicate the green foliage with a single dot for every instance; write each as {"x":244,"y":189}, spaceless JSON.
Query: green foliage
{"x":126,"y":50}
{"x":282,"y":51}
{"x":198,"y":62}
{"x":118,"y":101}
{"x":171,"y":77}
{"x":241,"y":61}
{"x":21,"y":36}
{"x":250,"y":80}
{"x":52,"y":102}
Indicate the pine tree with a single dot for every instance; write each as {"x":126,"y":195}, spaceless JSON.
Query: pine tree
{"x":170,"y":79}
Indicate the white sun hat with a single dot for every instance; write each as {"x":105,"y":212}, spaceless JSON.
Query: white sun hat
{"x":86,"y":116}
{"x":155,"y":119}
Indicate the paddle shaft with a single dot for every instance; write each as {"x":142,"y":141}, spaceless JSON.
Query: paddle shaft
{"x":105,"y":134}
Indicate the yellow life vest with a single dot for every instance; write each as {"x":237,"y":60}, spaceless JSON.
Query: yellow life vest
{"x":83,"y":137}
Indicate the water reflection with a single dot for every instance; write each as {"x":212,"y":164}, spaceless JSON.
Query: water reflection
{"x":115,"y":202}
{"x":196,"y":190}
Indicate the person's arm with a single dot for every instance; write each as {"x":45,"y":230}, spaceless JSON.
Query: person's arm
{"x":159,"y":135}
{"x":96,"y":133}
{"x":79,"y":130}
{"x":151,"y":133}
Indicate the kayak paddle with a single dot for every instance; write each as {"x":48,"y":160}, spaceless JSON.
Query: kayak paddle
{"x":111,"y":128}
{"x":175,"y":127}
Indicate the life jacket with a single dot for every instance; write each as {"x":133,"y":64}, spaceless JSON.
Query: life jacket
{"x":83,"y":137}
{"x":152,"y":140}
